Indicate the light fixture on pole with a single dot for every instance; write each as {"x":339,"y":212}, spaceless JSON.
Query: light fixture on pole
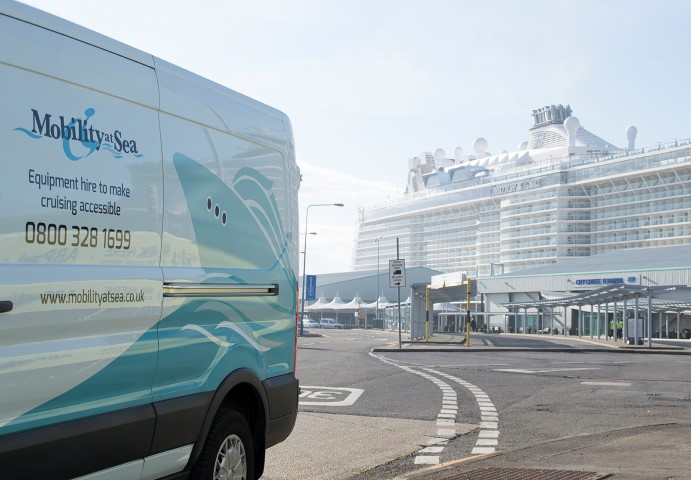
{"x":304,"y":259}
{"x":376,"y":314}
{"x":308,"y":233}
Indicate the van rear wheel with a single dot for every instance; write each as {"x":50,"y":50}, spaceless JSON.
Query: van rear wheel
{"x":228,"y":452}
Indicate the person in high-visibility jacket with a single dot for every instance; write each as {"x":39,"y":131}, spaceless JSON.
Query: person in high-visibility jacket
{"x":611,"y":328}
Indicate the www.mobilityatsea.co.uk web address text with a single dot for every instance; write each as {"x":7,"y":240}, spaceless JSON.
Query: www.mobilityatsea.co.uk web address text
{"x":93,"y":297}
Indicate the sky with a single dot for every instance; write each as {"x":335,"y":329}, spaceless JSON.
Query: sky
{"x":369,"y":84}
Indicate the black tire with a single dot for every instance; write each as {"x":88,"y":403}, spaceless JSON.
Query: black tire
{"x":222,"y":456}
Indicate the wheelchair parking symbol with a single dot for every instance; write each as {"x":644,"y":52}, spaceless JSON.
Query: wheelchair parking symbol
{"x":329,"y":396}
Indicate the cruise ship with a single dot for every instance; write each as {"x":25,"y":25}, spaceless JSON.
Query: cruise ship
{"x":564,"y":193}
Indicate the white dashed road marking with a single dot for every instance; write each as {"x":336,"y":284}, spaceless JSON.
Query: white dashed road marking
{"x":487,"y":440}
{"x":446,"y":419}
{"x":607,"y":384}
{"x":549,"y":370}
{"x":488,"y":436}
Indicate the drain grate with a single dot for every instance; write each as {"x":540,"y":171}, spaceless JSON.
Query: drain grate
{"x":526,"y":474}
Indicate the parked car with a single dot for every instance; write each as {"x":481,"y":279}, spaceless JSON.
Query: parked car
{"x":309,"y":323}
{"x":330,"y":323}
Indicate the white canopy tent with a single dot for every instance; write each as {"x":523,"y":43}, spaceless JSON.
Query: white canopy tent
{"x":318,"y":305}
{"x":338,"y":306}
{"x":383,"y":302}
{"x":354,"y":305}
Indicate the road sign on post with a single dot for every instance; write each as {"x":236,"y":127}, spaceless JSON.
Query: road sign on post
{"x":397,"y":273}
{"x":397,"y":279}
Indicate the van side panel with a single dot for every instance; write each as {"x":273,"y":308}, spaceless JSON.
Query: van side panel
{"x":80,"y":241}
{"x":227,"y":222}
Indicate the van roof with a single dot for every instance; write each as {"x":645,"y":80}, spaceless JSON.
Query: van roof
{"x":59,"y":25}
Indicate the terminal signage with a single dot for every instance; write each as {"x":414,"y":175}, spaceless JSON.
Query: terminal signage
{"x":605,"y":281}
{"x":310,"y":287}
{"x":452,"y":279}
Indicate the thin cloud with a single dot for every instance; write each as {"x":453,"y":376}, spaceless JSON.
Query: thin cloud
{"x":324,"y":185}
{"x":331,"y":250}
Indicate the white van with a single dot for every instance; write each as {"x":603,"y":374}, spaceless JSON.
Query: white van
{"x":330,"y":323}
{"x":148,"y":259}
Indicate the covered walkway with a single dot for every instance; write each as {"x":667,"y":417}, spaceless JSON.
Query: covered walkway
{"x":634,"y":306}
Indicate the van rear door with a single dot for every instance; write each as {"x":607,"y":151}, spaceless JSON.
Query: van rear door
{"x":80,"y":242}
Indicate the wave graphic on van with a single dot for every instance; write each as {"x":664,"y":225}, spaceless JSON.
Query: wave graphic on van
{"x":238,"y":226}
{"x":222,"y":343}
{"x":207,"y":334}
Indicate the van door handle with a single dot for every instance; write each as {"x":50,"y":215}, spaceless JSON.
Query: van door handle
{"x":5,"y":306}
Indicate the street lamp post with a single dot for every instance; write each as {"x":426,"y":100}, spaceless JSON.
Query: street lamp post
{"x":304,"y":259}
{"x":376,"y":312}
{"x":358,"y":316}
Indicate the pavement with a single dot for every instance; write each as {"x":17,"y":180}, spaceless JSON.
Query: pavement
{"x":658,"y":451}
{"x":642,"y":453}
{"x":313,"y":451}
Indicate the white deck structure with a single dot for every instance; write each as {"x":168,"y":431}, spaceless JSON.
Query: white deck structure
{"x":563,"y":193}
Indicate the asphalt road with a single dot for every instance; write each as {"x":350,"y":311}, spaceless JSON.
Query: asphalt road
{"x":370,"y":415}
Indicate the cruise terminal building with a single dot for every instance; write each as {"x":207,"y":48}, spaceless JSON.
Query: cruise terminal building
{"x":583,"y":296}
